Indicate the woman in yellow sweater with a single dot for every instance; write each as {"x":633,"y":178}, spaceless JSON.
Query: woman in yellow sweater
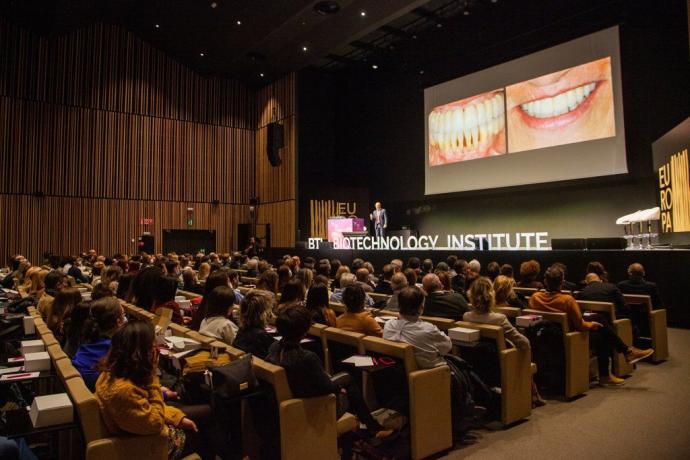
{"x":129,"y":393}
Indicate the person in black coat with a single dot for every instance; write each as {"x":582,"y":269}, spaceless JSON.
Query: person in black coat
{"x":637,"y":284}
{"x":384,"y":286}
{"x":599,"y":291}
{"x":440,"y":303}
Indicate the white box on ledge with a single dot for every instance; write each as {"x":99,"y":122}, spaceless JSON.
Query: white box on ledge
{"x":36,"y":362}
{"x":29,"y":325}
{"x":180,"y":297}
{"x":32,"y":346}
{"x":49,"y":410}
{"x":527,"y":320}
{"x":464,"y":334}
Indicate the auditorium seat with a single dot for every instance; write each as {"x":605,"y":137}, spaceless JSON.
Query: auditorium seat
{"x":429,"y":398}
{"x":657,"y":324}
{"x":510,"y":312}
{"x":622,"y":327}
{"x":339,"y":345}
{"x":56,"y":353}
{"x":188,"y":295}
{"x":525,"y":292}
{"x":308,"y":426}
{"x":515,"y":373}
{"x":576,"y":345}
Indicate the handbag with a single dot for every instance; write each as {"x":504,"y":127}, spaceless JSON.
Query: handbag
{"x":232,"y":379}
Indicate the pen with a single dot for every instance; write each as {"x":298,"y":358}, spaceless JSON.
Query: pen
{"x":16,"y":376}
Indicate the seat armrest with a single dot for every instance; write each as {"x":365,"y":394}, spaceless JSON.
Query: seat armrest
{"x":308,"y":428}
{"x":659,"y":330}
{"x":516,"y":384}
{"x":431,"y":428}
{"x":152,"y":447}
{"x":576,"y":363}
{"x":623,"y":328}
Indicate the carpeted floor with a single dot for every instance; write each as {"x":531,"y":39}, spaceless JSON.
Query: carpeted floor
{"x":648,"y":418}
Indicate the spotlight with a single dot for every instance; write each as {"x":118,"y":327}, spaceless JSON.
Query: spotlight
{"x":439,"y":25}
{"x":374,"y":66}
{"x":158,"y":26}
{"x":362,"y":13}
{"x":239,"y":23}
{"x":214,"y":4}
{"x":201,"y":54}
{"x":261,"y":75}
{"x":305,"y":49}
{"x":421,"y":72}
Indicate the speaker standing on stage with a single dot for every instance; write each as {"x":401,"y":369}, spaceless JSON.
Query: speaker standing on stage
{"x":380,"y":220}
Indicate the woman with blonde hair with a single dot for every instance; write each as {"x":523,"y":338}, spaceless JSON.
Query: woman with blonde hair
{"x":338,"y":274}
{"x":65,"y":301}
{"x":505,"y":295}
{"x":483,"y":300}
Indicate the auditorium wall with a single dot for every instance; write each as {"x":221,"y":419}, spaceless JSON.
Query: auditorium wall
{"x":376,"y":139}
{"x":99,"y":130}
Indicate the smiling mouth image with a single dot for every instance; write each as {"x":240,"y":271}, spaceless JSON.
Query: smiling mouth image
{"x":560,"y":109}
{"x":467,"y":129}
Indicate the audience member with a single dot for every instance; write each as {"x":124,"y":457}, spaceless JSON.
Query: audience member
{"x":255,"y":311}
{"x":348,"y":279}
{"x":65,"y":301}
{"x":362,"y":276}
{"x":356,"y":318}
{"x":599,"y":291}
{"x":505,"y":296}
{"x":292,"y":295}
{"x":493,"y":270}
{"x":164,"y":297}
{"x":54,"y":282}
{"x":567,"y":285}
{"x":529,"y":272}
{"x":384,"y":286}
{"x":216,"y":324}
{"x":398,"y":283}
{"x":441,"y":303}
{"x":635,"y":284}
{"x":317,"y":304}
{"x":217,"y":279}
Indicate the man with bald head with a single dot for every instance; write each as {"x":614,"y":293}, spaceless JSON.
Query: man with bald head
{"x":440,"y":303}
{"x":601,"y":291}
{"x":637,"y":284}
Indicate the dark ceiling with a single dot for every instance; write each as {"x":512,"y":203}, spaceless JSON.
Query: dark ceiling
{"x":251,"y":40}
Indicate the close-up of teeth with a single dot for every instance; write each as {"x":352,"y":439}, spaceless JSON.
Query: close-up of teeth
{"x":559,"y":104}
{"x":460,"y":130}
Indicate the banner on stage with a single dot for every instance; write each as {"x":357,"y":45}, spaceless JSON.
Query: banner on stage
{"x":466,"y":242}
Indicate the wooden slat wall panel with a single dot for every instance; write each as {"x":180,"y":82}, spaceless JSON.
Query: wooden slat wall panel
{"x":281,"y":215}
{"x":68,"y":225}
{"x":111,"y":130}
{"x":103,"y":66}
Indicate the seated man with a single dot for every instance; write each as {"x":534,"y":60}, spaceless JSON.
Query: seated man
{"x":55,"y":281}
{"x":346,"y":280}
{"x":444,"y":304}
{"x":398,"y":283}
{"x":602,"y":338}
{"x":384,"y":286}
{"x":430,"y":344}
{"x":362,"y":275}
{"x":637,"y":284}
{"x":601,"y":291}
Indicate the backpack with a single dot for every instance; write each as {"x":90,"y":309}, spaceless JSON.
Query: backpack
{"x":548,"y":353}
{"x":469,"y":390}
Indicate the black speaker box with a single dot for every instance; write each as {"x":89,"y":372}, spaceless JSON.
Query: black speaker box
{"x":568,"y":243}
{"x":274,"y":143}
{"x":606,"y":243}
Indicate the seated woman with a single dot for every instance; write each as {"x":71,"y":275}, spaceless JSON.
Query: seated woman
{"x":292,"y":295}
{"x":529,"y":272}
{"x":505,"y":295}
{"x":129,"y":393}
{"x":190,"y":282}
{"x":218,"y":278}
{"x":107,"y":316}
{"x":317,"y":304}
{"x":482,"y":298}
{"x":164,"y":297}
{"x":255,"y":311}
{"x":305,"y":373}
{"x":217,"y":324}
{"x":268,"y":281}
{"x":356,"y":318}
{"x":65,"y":301}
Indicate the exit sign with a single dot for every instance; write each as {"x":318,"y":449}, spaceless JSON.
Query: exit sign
{"x":145,"y":221}
{"x":190,"y":222}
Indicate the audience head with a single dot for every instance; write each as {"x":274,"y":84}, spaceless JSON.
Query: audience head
{"x":529,"y":270}
{"x":474,"y":266}
{"x":411,"y":276}
{"x":216,"y":279}
{"x":427,"y":265}
{"x":123,"y":286}
{"x":293,"y":291}
{"x":102,"y":290}
{"x":317,"y":297}
{"x":335,"y":265}
{"x":482,"y":295}
{"x":460,"y":267}
{"x":635,"y":270}
{"x":293,"y":324}
{"x":105,"y":318}
{"x":55,"y":280}
{"x":592,"y":278}
{"x":306,"y":276}
{"x":553,"y":278}
{"x":507,"y":270}
{"x":357,"y":264}
{"x":165,"y":289}
{"x":268,"y":281}
{"x":503,"y":289}
{"x":444,"y":277}
{"x":414,"y":263}
{"x":353,"y":298}
{"x":64,"y":302}
{"x":219,"y":301}
{"x":132,"y":354}
{"x":141,"y":292}
{"x":411,"y":301}
{"x":493,"y":270}
{"x":347,"y":279}
{"x":284,"y":275}
{"x":451,"y":260}
{"x":255,"y":309}
{"x":598,"y":268}
{"x":340,"y":272}
{"x":388,"y":272}
{"x":431,"y":283}
{"x":362,"y":275}
{"x":399,"y":281}
{"x":204,"y":271}
{"x":442,"y":267}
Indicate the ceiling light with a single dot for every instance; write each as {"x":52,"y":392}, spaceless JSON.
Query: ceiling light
{"x":214,"y":4}
{"x":158,"y":26}
{"x":327,"y":7}
{"x":261,"y":75}
{"x":467,"y":10}
{"x":305,"y":49}
{"x":239,"y":23}
{"x":201,"y":54}
{"x":439,"y":25}
{"x":362,"y":13}
{"x":374,"y":66}
{"x":421,"y":72}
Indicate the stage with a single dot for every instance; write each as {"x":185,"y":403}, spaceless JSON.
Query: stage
{"x":669,"y":268}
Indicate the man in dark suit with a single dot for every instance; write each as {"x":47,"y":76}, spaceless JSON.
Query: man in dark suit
{"x":444,"y":304}
{"x":380,"y":220}
{"x":384,"y":286}
{"x":636,"y":284}
{"x":598,"y":291}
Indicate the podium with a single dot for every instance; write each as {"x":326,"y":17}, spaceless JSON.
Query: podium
{"x":339,"y":225}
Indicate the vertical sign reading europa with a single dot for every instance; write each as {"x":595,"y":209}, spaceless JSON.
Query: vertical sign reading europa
{"x":672,"y":168}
